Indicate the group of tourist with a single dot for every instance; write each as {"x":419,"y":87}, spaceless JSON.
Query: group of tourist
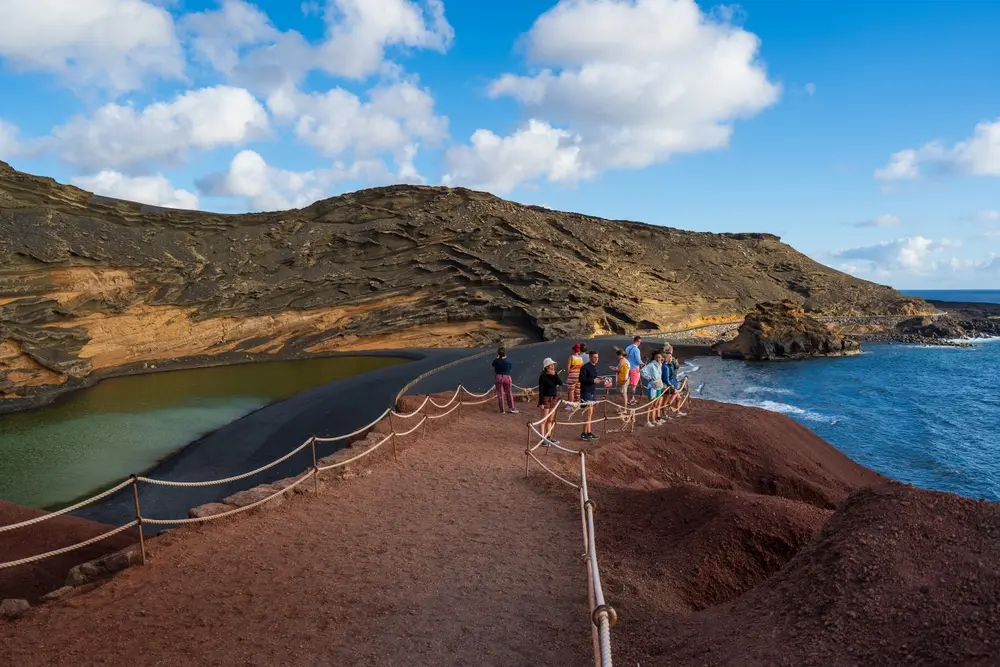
{"x":657,"y":373}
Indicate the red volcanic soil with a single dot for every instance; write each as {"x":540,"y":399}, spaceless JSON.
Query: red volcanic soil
{"x":30,"y":582}
{"x":731,"y":537}
{"x":736,"y":537}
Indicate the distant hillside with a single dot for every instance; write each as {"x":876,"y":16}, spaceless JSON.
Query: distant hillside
{"x":95,"y":285}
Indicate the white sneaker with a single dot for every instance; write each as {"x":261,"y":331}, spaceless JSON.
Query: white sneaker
{"x":651,"y":424}
{"x":513,"y":411}
{"x":681,"y":414}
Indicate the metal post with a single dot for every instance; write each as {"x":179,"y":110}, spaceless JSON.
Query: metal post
{"x":312,"y":441}
{"x":461,"y":403}
{"x":605,"y":418}
{"x":138,"y":517}
{"x":392,"y":438}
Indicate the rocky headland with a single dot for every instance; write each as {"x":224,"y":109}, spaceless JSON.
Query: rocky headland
{"x":784,"y":331}
{"x":92,"y":287}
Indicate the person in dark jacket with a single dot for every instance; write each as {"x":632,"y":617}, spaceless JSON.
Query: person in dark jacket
{"x":588,"y":392}
{"x":503,"y":383}
{"x":548,"y":391}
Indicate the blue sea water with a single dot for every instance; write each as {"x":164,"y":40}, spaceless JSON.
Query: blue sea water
{"x":973,"y":295}
{"x":926,"y":415}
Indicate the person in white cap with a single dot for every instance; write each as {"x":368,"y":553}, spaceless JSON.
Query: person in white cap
{"x":548,"y":390}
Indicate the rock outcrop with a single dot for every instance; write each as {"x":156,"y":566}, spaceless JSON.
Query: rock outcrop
{"x":932,"y":327}
{"x":784,"y":331}
{"x":91,"y":286}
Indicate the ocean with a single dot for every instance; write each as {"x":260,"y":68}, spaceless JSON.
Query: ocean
{"x":921,"y":414}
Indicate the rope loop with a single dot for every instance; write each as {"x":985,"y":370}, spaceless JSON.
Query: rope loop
{"x":606,"y":610}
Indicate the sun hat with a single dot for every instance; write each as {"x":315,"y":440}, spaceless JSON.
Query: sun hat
{"x":548,"y":362}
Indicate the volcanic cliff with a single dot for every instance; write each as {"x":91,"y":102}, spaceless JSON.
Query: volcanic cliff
{"x":91,"y":286}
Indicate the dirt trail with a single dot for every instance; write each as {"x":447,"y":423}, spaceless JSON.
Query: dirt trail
{"x":448,"y":557}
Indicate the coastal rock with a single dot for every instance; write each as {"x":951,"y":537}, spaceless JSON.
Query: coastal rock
{"x":784,"y":331}
{"x":942,"y":327}
{"x":92,"y":286}
{"x":13,"y":609}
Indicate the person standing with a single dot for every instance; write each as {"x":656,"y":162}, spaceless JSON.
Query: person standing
{"x":634,"y":358}
{"x":588,"y":392}
{"x":503,"y":382}
{"x":573,"y":366}
{"x":548,"y":391}
{"x":623,"y":370}
{"x":652,"y":373}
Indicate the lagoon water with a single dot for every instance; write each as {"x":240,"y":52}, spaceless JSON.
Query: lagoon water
{"x":97,"y":436}
{"x":926,"y":415}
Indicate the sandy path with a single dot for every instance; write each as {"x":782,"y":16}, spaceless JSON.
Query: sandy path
{"x":449,"y":557}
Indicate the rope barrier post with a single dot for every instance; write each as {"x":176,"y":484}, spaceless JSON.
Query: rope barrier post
{"x":605,"y":418}
{"x":138,"y":518}
{"x":392,"y":437}
{"x":312,"y":441}
{"x":461,"y":402}
{"x":527,"y":452}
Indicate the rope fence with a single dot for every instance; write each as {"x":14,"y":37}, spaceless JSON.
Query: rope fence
{"x":603,"y":615}
{"x":454,"y":403}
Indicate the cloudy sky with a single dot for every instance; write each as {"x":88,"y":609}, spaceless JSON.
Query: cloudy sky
{"x":866,"y":134}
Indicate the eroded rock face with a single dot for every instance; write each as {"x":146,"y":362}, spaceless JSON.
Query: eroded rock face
{"x":784,"y":331}
{"x":90,"y":285}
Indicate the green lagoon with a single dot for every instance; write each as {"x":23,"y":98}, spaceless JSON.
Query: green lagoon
{"x":94,"y":437}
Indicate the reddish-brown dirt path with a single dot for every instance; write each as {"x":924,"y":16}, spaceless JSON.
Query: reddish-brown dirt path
{"x":449,"y":557}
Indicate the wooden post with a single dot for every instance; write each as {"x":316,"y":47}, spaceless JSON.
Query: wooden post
{"x":605,"y":418}
{"x":527,"y":454}
{"x":392,"y":438}
{"x":312,"y":441}
{"x":138,"y":517}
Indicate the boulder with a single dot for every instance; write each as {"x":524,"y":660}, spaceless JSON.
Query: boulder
{"x":91,"y":571}
{"x":784,"y":331}
{"x":208,"y":509}
{"x":254,"y":495}
{"x":58,"y":594}
{"x":12,"y":609}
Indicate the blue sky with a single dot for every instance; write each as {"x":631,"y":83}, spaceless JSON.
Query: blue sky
{"x":865,"y":134}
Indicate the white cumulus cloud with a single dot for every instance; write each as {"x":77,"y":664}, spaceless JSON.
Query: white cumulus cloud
{"x":114,"y":44}
{"x":395,"y":117}
{"x":263,"y":187}
{"x":242,"y":43}
{"x":500,"y":164}
{"x":913,"y":254}
{"x":979,"y":155}
{"x":161,"y":133}
{"x":636,"y":80}
{"x":155,"y":190}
